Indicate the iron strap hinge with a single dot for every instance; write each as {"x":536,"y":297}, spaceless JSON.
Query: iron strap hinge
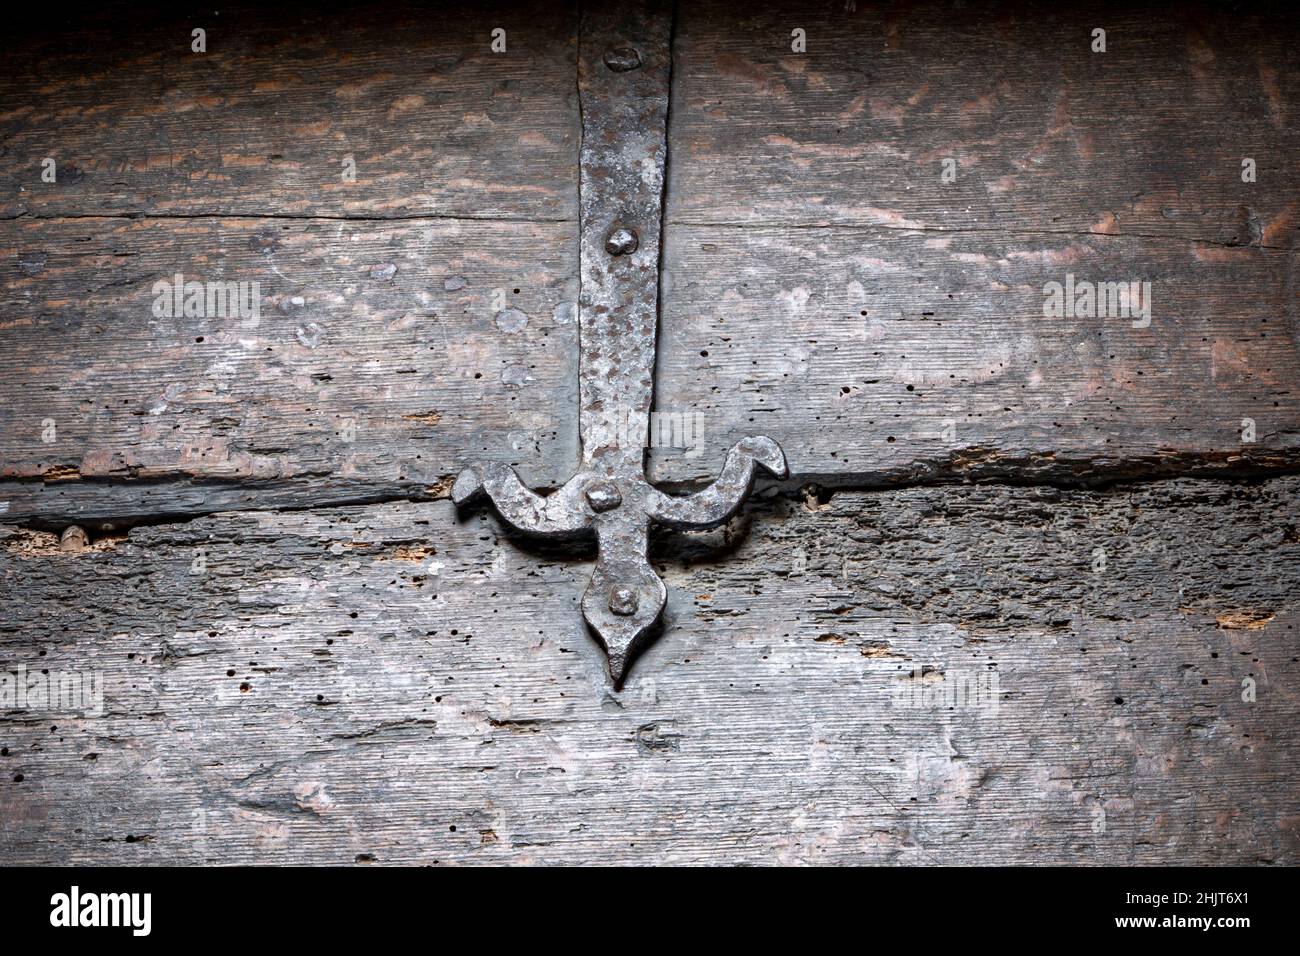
{"x":624,"y":72}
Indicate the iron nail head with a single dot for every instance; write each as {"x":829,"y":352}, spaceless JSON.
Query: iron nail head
{"x":623,"y":600}
{"x":622,"y":59}
{"x":621,"y":241}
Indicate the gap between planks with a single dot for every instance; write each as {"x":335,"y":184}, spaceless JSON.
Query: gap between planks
{"x":793,"y":488}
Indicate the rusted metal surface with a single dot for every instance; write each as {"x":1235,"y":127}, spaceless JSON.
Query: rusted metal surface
{"x":624,"y":71}
{"x":620,"y":200}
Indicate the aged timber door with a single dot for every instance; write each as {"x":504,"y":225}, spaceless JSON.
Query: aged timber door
{"x":1016,"y":299}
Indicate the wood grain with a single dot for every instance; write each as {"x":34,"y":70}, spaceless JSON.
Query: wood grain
{"x":261,"y":122}
{"x":875,"y":356}
{"x":894,"y":345}
{"x":385,"y":684}
{"x":1145,"y":139}
{"x":308,"y":657}
{"x":384,"y":351}
{"x":878,"y":355}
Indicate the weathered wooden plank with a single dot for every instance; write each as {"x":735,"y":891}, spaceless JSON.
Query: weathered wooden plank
{"x":953,"y":360}
{"x":1147,"y":138}
{"x":880,"y":355}
{"x":382,"y":352}
{"x":386,"y":684}
{"x":263,"y":121}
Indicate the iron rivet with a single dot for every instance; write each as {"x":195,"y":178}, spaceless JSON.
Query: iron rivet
{"x":603,"y":496}
{"x":623,"y":600}
{"x":622,"y":59}
{"x":621,"y":241}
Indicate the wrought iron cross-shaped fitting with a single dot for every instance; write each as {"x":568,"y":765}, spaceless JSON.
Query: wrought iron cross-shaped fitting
{"x":624,"y":71}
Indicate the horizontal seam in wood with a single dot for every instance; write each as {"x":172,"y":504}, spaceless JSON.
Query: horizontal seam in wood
{"x":293,"y":217}
{"x":793,"y":487}
{"x":940,"y":230}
